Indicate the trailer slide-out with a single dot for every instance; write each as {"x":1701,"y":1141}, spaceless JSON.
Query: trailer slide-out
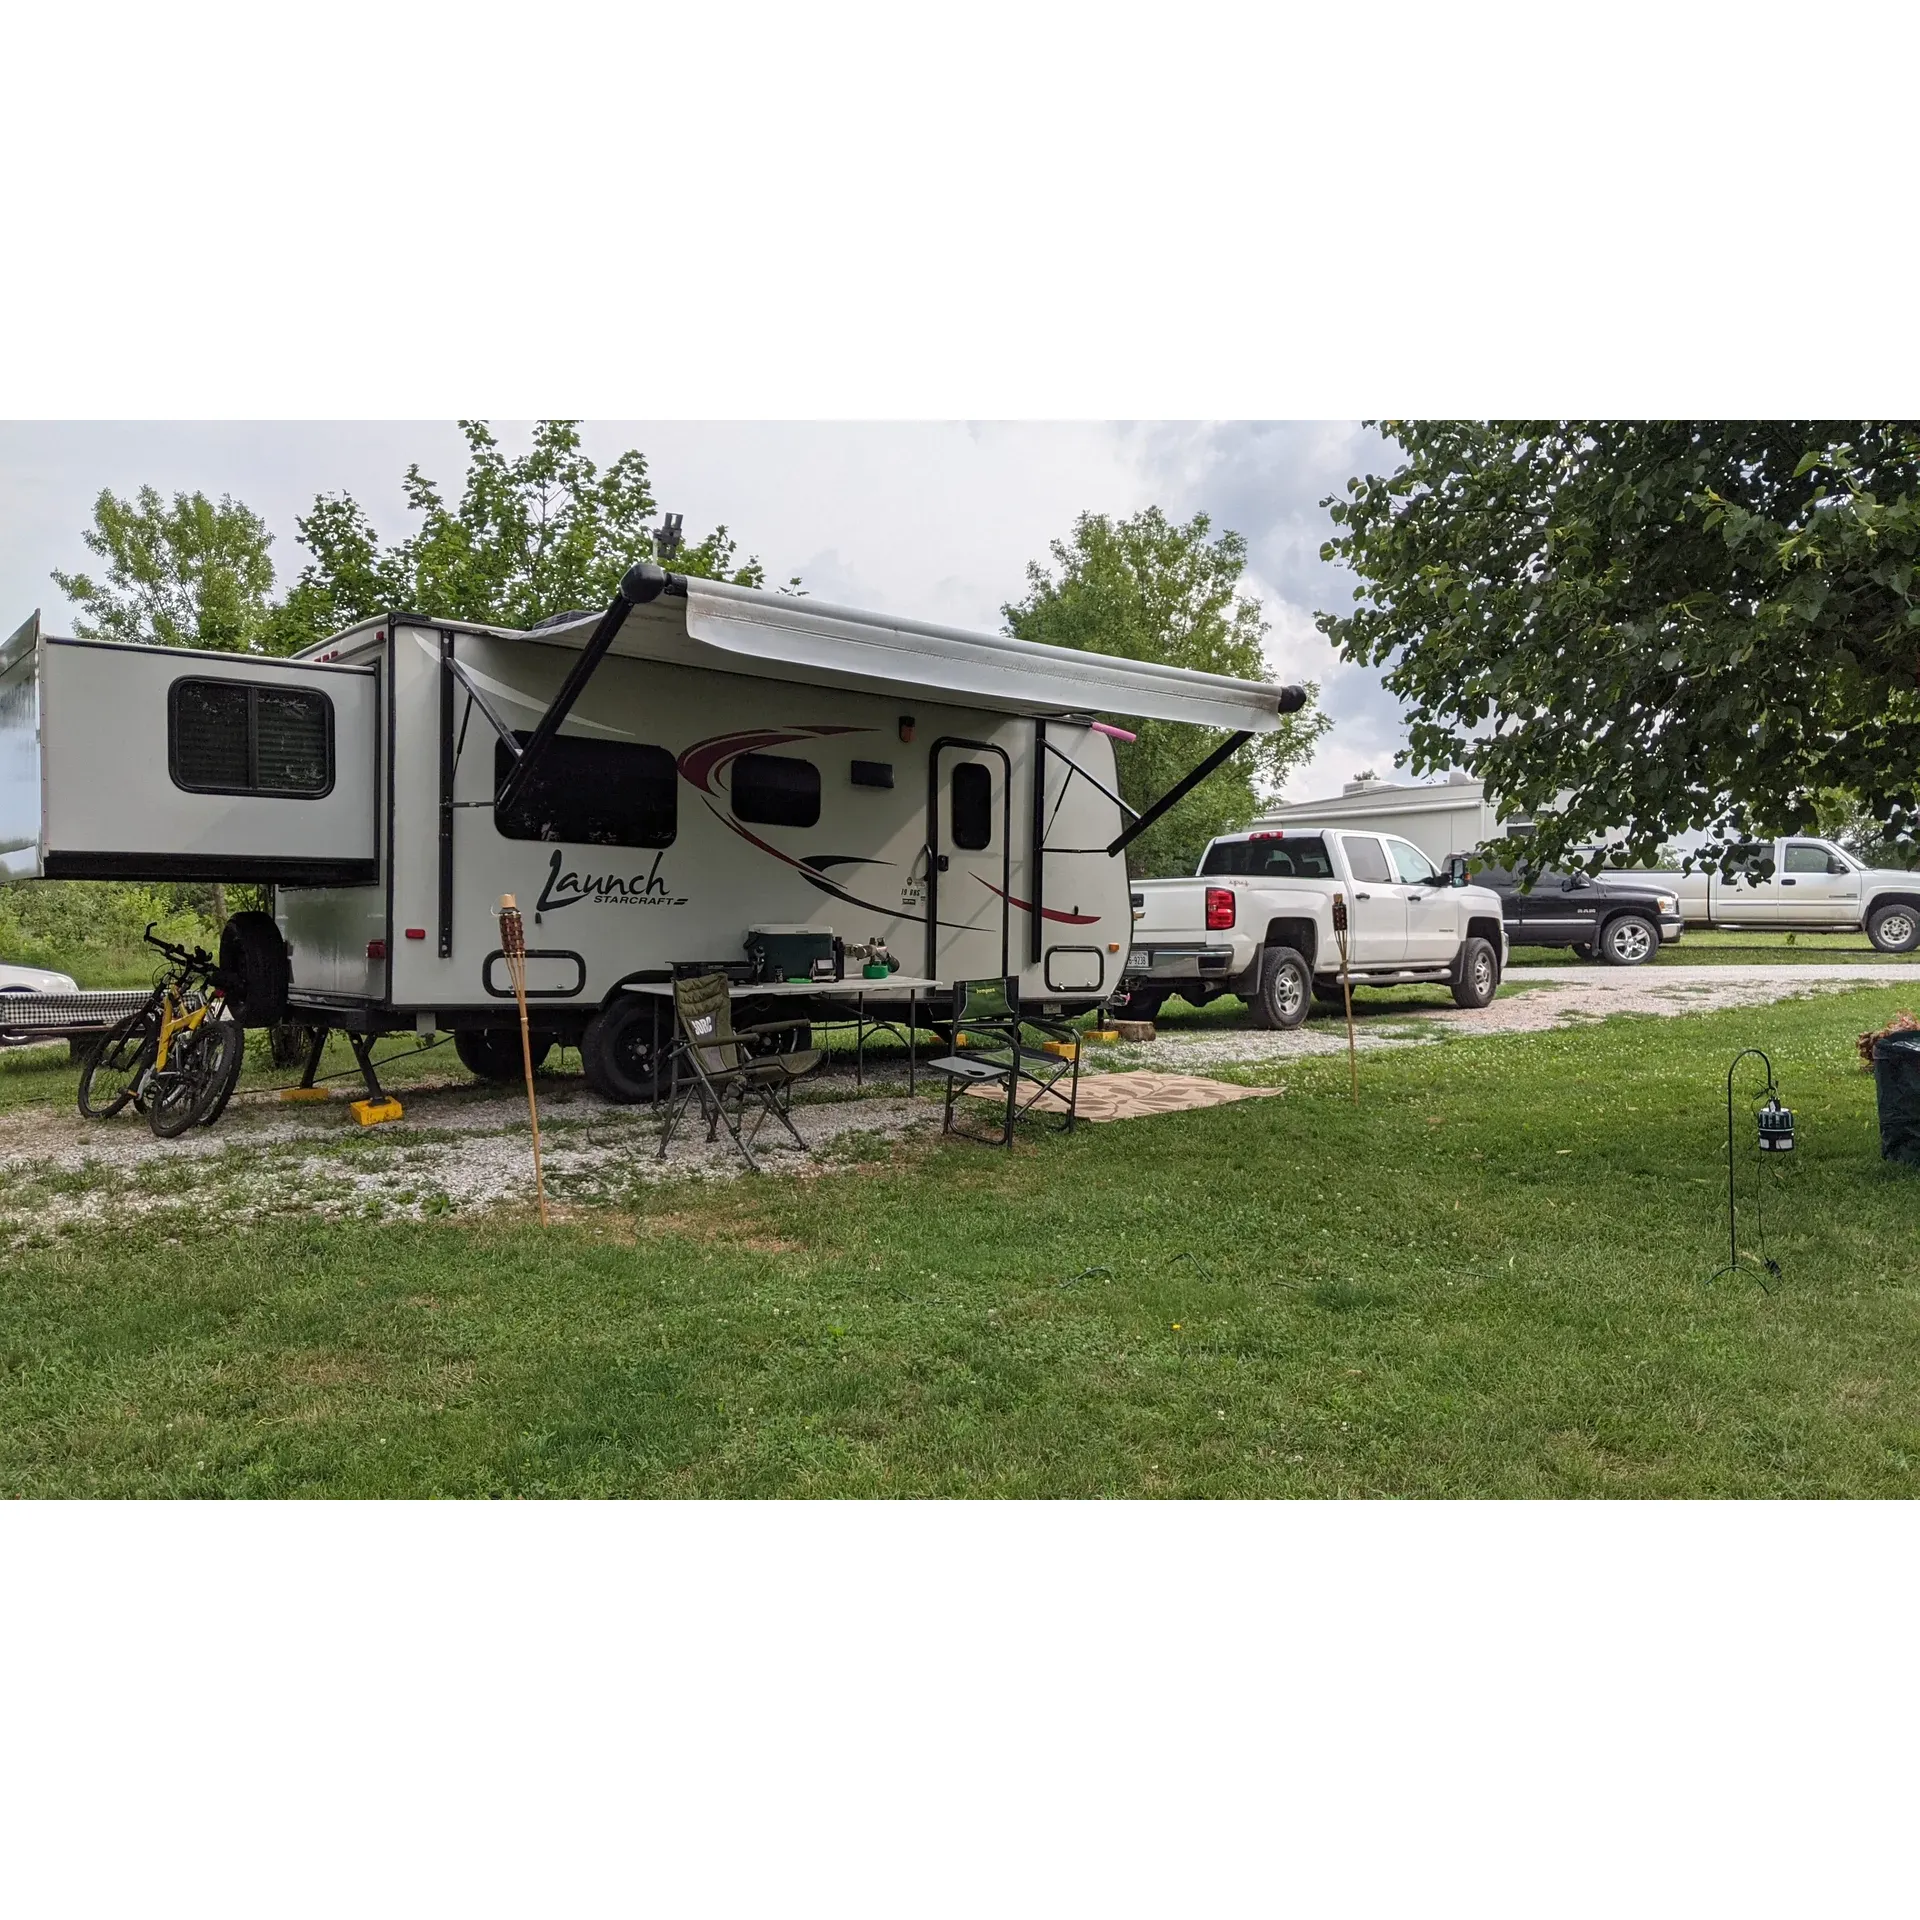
{"x":649,"y":782}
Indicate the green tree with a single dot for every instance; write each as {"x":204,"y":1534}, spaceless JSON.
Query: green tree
{"x":1649,"y":626}
{"x":1150,"y":589}
{"x":544,"y":533}
{"x":181,"y":573}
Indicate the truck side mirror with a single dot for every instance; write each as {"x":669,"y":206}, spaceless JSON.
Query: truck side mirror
{"x":1835,"y":864}
{"x":1456,"y":869}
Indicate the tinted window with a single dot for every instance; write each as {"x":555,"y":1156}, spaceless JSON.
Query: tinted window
{"x":1284,"y":857}
{"x":606,"y":793}
{"x":1365,"y":857}
{"x":231,"y":736}
{"x":776,"y":791}
{"x":1413,"y":866}
{"x":972,"y":806}
{"x":1802,"y":858}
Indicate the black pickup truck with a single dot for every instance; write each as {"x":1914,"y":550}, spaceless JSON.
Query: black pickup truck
{"x":1616,"y":920}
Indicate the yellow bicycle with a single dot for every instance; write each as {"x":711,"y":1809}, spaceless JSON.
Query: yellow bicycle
{"x":177,"y":1059}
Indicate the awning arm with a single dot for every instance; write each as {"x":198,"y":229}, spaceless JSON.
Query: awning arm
{"x":1175,"y":794}
{"x":1088,"y":778}
{"x":479,"y":699}
{"x":642,"y":583}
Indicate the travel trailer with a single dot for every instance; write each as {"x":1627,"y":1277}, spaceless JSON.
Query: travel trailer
{"x":650,"y":782}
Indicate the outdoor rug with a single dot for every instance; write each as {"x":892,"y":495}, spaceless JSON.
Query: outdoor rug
{"x":1132,"y":1096}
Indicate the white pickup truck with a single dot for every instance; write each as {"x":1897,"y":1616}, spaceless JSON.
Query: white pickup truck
{"x":1257,"y":920}
{"x":1801,"y":882}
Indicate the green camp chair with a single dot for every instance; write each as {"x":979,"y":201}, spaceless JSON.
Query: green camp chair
{"x":723,"y":1074}
{"x":999,"y":1054}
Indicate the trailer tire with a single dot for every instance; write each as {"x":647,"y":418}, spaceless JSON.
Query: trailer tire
{"x":1285,"y":991}
{"x":623,"y":1050}
{"x":1476,"y":977}
{"x":1328,"y":993}
{"x":1894,"y":926}
{"x":254,"y":958}
{"x":1629,"y":940}
{"x":1582,"y":950}
{"x":493,"y":1053}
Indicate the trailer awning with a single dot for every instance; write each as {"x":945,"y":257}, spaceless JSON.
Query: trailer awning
{"x":788,"y":637}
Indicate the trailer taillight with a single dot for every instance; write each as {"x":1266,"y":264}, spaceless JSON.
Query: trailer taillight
{"x":1219,"y":909}
{"x":376,"y":949}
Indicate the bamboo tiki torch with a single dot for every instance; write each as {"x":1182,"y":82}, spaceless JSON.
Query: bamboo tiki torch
{"x":513,"y":944}
{"x":1346,"y":990}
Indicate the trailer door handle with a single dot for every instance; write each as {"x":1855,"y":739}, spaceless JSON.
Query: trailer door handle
{"x":941,"y":862}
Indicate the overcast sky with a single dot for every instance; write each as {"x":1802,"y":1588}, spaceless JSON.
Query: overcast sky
{"x":933,"y":520}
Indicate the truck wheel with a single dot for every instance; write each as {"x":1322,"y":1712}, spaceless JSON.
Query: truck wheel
{"x":1894,"y":926}
{"x":493,"y":1053}
{"x":1628,"y":941}
{"x":1143,"y":1003}
{"x":624,"y":1049}
{"x":254,"y":958}
{"x":1477,"y":975}
{"x":1285,"y":990}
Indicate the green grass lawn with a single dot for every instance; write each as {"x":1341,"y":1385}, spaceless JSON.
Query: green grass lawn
{"x":1710,"y":948}
{"x":1489,"y":1279}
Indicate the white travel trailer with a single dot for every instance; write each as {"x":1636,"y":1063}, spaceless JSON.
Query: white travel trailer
{"x":650,"y":782}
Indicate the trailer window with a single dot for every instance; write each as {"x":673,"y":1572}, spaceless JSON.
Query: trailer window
{"x":776,"y":791}
{"x":972,"y":806}
{"x":233,"y":736}
{"x":1290,"y":857}
{"x":601,"y":793}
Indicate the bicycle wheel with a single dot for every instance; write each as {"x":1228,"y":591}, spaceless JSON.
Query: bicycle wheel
{"x":230,"y":1041}
{"x":183,"y":1089}
{"x":115,"y":1064}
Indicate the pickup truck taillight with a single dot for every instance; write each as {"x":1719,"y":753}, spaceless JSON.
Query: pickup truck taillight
{"x":1219,"y":909}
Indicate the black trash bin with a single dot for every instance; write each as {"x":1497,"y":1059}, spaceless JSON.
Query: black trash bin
{"x":1896,"y":1086}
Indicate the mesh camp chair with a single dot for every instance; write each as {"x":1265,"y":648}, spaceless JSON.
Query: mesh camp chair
{"x":713,"y":1063}
{"x":1000,"y":1053}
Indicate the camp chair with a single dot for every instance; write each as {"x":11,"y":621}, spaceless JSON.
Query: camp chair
{"x":998,"y":1052}
{"x":720,"y":1071}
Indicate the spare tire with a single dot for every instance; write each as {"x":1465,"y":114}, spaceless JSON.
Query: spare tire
{"x":253,"y":957}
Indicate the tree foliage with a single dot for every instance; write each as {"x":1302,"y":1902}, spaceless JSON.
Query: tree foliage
{"x":185,"y":572}
{"x":544,"y":533}
{"x":1648,"y":627}
{"x":1150,"y":589}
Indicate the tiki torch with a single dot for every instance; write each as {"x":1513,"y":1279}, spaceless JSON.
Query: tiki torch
{"x":513,"y":945}
{"x":1346,"y":990}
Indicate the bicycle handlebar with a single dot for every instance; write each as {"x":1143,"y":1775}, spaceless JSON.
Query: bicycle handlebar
{"x":199,"y":959}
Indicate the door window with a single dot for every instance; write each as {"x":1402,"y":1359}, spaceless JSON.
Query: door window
{"x":971,"y":798}
{"x":1365,"y":857}
{"x":1413,"y":866}
{"x":1804,"y":857}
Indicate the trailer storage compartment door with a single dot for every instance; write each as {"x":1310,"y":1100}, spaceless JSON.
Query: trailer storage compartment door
{"x":157,"y":763}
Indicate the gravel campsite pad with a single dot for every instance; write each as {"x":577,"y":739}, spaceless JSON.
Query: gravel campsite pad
{"x":463,"y":1146}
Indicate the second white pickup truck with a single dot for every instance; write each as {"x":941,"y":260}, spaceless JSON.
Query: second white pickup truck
{"x":1257,"y":920}
{"x":1801,"y":882}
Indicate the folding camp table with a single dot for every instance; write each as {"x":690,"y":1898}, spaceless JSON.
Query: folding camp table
{"x":827,"y":993}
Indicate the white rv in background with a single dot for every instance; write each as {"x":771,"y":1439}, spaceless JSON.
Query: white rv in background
{"x":649,"y":782}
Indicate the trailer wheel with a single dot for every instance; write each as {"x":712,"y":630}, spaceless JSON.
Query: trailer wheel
{"x":1328,"y":993}
{"x":1477,"y":975}
{"x":1285,"y":990}
{"x":1894,"y":926}
{"x":493,"y":1053}
{"x":254,"y":958}
{"x":623,"y":1052}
